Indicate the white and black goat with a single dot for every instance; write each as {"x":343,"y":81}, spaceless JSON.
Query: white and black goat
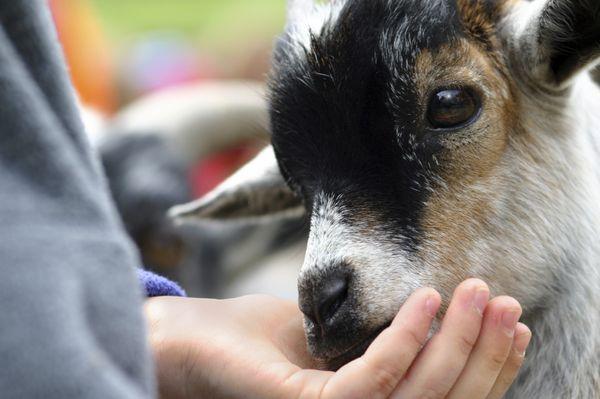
{"x":430,"y":141}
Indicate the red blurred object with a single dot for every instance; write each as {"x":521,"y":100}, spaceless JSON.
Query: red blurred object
{"x":211,"y":171}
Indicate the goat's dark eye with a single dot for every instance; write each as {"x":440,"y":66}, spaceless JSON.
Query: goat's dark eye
{"x":452,"y":108}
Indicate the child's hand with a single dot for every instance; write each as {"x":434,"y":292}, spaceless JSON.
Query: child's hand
{"x":254,"y":347}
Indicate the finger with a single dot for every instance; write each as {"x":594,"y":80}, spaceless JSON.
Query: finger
{"x":513,"y":363}
{"x":491,"y":351}
{"x":443,"y":359}
{"x":377,"y":373}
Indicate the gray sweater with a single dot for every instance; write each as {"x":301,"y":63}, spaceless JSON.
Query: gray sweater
{"x":70,"y":320}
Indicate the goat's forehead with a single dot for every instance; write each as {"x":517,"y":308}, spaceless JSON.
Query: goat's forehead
{"x":394,"y":31}
{"x":339,"y":50}
{"x":406,"y":25}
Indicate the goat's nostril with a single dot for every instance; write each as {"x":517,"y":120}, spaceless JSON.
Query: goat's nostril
{"x":331,"y":297}
{"x":327,"y":299}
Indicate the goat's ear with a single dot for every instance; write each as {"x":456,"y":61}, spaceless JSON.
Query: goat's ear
{"x":596,"y":74}
{"x":257,"y":190}
{"x":557,"y":38}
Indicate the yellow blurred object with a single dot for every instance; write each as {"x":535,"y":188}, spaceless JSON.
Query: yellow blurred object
{"x":87,"y":52}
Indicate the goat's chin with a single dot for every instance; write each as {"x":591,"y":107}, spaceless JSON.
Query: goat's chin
{"x":348,"y":354}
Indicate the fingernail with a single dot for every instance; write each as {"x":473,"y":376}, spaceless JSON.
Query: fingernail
{"x":522,"y":342}
{"x":509,"y":321}
{"x":432,"y":305}
{"x":480,"y":299}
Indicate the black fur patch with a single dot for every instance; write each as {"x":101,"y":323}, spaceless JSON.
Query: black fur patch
{"x":570,"y":31}
{"x":346,"y":116}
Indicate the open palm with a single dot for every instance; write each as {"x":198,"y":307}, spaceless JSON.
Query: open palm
{"x":254,"y":347}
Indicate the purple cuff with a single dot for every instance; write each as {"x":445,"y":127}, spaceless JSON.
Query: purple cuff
{"x":156,"y":285}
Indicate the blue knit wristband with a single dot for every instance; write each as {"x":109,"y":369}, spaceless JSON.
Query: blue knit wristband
{"x":156,"y":285}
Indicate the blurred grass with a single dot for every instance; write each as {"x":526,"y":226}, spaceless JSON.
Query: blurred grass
{"x":218,"y":23}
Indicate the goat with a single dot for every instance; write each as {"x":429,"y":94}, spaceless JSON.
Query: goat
{"x":430,"y":141}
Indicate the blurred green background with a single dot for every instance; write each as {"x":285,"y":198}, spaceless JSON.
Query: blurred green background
{"x":212,"y":23}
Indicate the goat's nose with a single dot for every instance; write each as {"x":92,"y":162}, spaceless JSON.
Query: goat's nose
{"x":326,"y":298}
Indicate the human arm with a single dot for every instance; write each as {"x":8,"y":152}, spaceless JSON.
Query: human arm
{"x":71,"y":306}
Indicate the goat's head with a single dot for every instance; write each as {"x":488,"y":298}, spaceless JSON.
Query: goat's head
{"x":424,"y":140}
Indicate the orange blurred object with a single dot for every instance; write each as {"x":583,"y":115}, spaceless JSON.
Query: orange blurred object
{"x":87,"y":52}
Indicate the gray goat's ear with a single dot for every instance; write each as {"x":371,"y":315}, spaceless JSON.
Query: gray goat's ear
{"x":257,"y":190}
{"x":557,"y":38}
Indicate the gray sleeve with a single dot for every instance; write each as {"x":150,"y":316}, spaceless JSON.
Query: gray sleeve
{"x":70,"y":319}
